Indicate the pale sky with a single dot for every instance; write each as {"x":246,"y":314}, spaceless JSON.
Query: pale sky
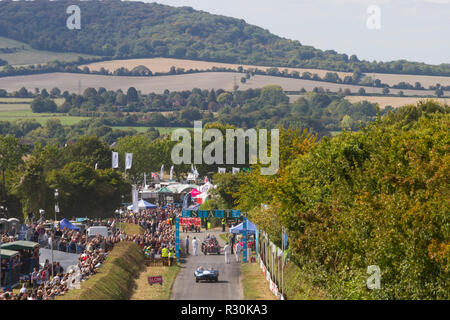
{"x":416,"y":30}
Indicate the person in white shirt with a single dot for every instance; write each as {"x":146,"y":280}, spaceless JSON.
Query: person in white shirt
{"x":195,"y":246}
{"x":227,"y":252}
{"x":23,"y":289}
{"x":238,"y":251}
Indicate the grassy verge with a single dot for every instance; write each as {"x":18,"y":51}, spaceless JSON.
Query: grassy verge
{"x":144,"y":291}
{"x":254,"y":283}
{"x":114,"y":281}
{"x":298,"y":288}
{"x":131,"y":229}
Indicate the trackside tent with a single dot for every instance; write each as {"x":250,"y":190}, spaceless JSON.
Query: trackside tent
{"x":251,"y":228}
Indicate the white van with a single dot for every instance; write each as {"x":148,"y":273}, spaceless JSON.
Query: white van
{"x":101,"y":230}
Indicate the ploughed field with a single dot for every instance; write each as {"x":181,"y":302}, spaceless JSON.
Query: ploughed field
{"x":207,"y":80}
{"x":164,"y":65}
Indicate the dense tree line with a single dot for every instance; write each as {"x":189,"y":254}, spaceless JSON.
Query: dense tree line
{"x":84,"y":190}
{"x":268,"y":107}
{"x":122,"y":29}
{"x":379,"y":196}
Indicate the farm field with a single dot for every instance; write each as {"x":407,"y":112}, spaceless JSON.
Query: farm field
{"x":39,"y":117}
{"x":164,"y":65}
{"x":207,"y":80}
{"x":394,"y":102}
{"x":12,"y":109}
{"x":425,"y":81}
{"x":25,"y":55}
{"x":162,"y":130}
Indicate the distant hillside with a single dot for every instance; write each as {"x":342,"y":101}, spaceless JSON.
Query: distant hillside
{"x":143,"y":30}
{"x":17,"y":53}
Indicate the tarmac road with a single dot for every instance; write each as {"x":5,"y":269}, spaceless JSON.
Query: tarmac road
{"x":227,"y":288}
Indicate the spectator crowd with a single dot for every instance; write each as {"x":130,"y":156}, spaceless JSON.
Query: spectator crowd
{"x":52,"y":280}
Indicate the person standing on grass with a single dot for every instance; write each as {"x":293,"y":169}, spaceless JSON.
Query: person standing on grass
{"x":227,"y":252}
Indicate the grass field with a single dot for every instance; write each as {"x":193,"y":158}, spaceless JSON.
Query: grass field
{"x":144,"y":291}
{"x":12,"y":109}
{"x":22,"y":112}
{"x":254,"y":283}
{"x":25,"y":55}
{"x":16,"y":100}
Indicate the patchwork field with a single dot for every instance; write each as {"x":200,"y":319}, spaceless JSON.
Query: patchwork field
{"x":394,"y":102}
{"x":425,"y":81}
{"x":164,"y":65}
{"x":12,"y":109}
{"x":162,"y":130}
{"x":25,"y":55}
{"x":207,"y":80}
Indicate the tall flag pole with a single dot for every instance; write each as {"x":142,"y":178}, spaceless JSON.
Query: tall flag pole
{"x":128,"y":160}
{"x":171,"y":173}
{"x":115,"y":160}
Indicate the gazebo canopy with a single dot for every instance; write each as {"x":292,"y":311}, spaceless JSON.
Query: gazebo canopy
{"x":164,"y":190}
{"x":251,"y":228}
{"x":142,"y":204}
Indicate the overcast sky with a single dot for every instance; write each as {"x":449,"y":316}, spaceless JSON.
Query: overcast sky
{"x":416,"y":30}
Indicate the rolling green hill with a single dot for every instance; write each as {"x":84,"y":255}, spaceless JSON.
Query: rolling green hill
{"x":17,"y":53}
{"x":143,"y":30}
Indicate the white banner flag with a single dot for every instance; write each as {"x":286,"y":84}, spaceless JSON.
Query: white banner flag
{"x":195,"y":172}
{"x":171,"y":173}
{"x":135,"y":197}
{"x":128,"y":160}
{"x":115,"y":160}
{"x":235,"y":170}
{"x":161,"y":176}
{"x":222,"y":170}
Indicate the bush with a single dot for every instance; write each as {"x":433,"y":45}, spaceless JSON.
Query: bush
{"x":40,"y":105}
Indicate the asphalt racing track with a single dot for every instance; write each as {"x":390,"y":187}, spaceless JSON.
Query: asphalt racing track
{"x":229,"y":285}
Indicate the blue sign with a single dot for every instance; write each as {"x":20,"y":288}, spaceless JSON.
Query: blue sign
{"x":186,"y":213}
{"x":236,"y":213}
{"x":219,"y":213}
{"x":202,"y":213}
